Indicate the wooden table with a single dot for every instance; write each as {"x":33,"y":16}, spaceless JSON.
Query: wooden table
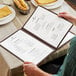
{"x":10,"y":65}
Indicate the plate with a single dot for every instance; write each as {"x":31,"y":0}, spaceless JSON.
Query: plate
{"x":9,"y":17}
{"x":50,"y":6}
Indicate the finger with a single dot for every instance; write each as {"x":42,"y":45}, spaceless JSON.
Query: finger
{"x":27,"y":62}
{"x":23,"y":70}
{"x":63,"y":13}
{"x":25,"y":65}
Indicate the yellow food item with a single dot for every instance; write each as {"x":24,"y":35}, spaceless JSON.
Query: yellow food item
{"x":21,"y":4}
{"x":5,"y":11}
{"x":42,"y":2}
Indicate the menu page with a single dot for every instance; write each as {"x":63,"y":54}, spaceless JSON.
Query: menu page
{"x":68,"y":37}
{"x":26,"y":47}
{"x":48,"y":26}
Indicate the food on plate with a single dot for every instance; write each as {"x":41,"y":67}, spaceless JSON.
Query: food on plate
{"x":43,"y":2}
{"x":5,"y":11}
{"x":21,"y":4}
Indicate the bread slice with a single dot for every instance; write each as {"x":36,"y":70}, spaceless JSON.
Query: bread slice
{"x":4,"y":11}
{"x":43,"y":2}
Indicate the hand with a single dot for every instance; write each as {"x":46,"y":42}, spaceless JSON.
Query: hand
{"x":31,"y":69}
{"x":68,"y":16}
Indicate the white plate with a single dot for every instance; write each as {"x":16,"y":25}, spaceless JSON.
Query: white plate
{"x":9,"y":17}
{"x":50,"y":6}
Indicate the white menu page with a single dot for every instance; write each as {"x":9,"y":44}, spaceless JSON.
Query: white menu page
{"x":47,"y":26}
{"x":26,"y":47}
{"x":68,"y":37}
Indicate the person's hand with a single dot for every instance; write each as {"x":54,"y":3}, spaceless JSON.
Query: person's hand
{"x":68,"y":16}
{"x":31,"y":69}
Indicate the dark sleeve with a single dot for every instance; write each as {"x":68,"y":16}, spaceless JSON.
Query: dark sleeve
{"x":74,"y":71}
{"x":70,"y":66}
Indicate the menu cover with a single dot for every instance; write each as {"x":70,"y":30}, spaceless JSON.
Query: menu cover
{"x":41,"y":35}
{"x":48,"y":26}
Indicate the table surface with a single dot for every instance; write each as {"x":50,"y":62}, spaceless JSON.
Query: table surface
{"x":10,"y":61}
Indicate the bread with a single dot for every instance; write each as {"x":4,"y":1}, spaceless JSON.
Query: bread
{"x":21,"y":4}
{"x":43,"y":2}
{"x":5,"y":11}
